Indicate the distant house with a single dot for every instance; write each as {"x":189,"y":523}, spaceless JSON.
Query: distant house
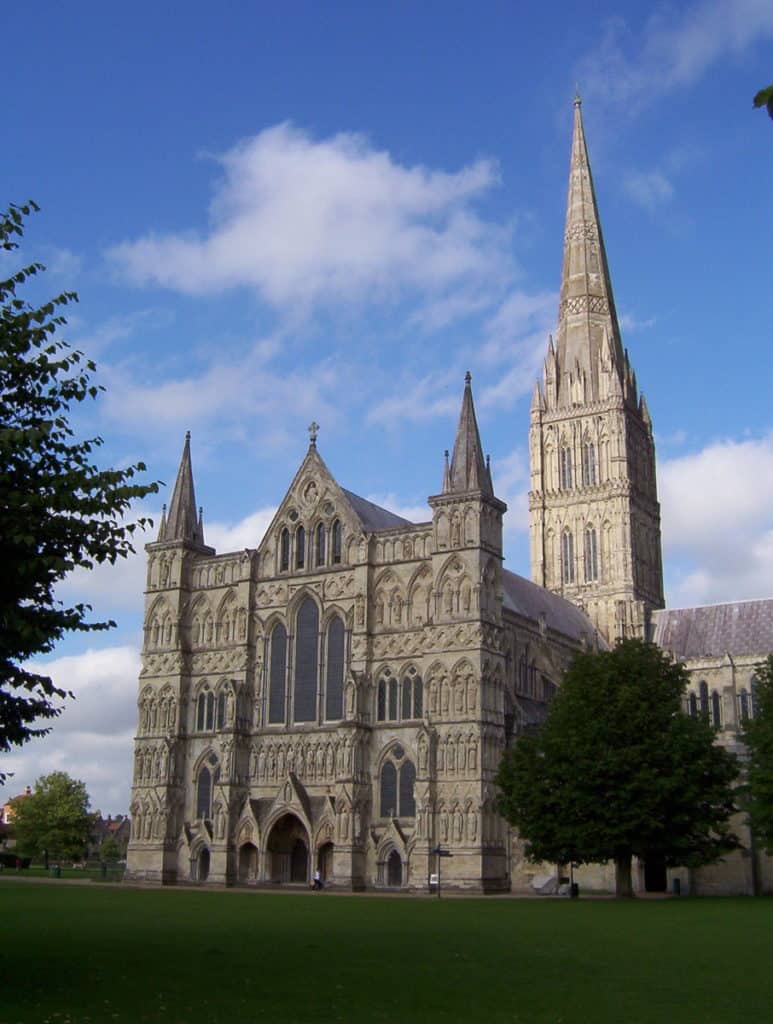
{"x":117,"y":828}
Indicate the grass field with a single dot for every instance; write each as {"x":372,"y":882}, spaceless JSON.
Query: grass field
{"x":88,"y":953}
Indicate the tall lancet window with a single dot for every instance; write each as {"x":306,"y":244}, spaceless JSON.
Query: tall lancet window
{"x":334,"y":689}
{"x":284,"y":551}
{"x":300,"y":548}
{"x":591,"y":555}
{"x":306,"y":661}
{"x":589,"y":464}
{"x":336,"y":532}
{"x":320,"y":545}
{"x":565,"y":467}
{"x":567,"y":557}
{"x":276,"y":678}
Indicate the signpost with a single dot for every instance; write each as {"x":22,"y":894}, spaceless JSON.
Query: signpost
{"x":439,"y":852}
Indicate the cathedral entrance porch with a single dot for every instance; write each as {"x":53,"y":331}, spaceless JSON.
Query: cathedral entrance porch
{"x":248,"y":863}
{"x":325,"y":861}
{"x":288,"y":851}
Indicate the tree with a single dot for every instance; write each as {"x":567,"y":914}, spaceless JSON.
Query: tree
{"x":758,"y":737}
{"x":110,"y":850}
{"x":54,"y":818}
{"x":764,"y":98}
{"x":618,"y":770}
{"x":57,"y":509}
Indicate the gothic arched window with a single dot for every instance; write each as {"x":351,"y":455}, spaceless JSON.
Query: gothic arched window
{"x":567,"y":557}
{"x":276,"y":677}
{"x":591,"y":555}
{"x":398,"y":778}
{"x":381,"y":700}
{"x":589,"y":464}
{"x":392,"y":700}
{"x":300,"y":548}
{"x":716,"y":710}
{"x":703,"y":690}
{"x":306,"y":657}
{"x":204,"y":794}
{"x":334,"y":688}
{"x":565,"y":467}
{"x":743,"y":700}
{"x":412,"y":699}
{"x":320,"y":545}
{"x":284,"y":551}
{"x":407,"y":782}
{"x":221,"y":710}
{"x":388,"y":790}
{"x":336,"y":542}
{"x":692,"y":705}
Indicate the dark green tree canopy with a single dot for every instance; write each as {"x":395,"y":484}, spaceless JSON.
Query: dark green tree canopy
{"x":618,"y":770}
{"x":58,"y":510}
{"x":764,"y":98}
{"x":758,"y":737}
{"x":54,"y":818}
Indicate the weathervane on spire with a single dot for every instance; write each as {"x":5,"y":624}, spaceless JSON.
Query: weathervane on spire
{"x":313,"y":428}
{"x":577,"y":97}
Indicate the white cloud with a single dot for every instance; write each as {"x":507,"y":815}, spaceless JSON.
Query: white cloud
{"x":628,"y":322}
{"x":229,"y":396}
{"x":425,"y":398}
{"x":246,"y":533}
{"x":675,"y":47}
{"x":717,"y":522}
{"x":303,"y":221}
{"x":92,"y":739}
{"x":420,"y":513}
{"x":648,"y":188}
{"x":517,"y":334}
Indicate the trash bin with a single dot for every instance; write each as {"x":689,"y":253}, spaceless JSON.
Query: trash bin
{"x":574,"y":891}
{"x":57,"y":871}
{"x":676,"y":886}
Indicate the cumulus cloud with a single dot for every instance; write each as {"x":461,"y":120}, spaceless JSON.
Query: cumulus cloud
{"x":92,"y":739}
{"x":675,"y":47}
{"x":717,"y":522}
{"x":517,"y":338}
{"x":302,"y":221}
{"x":435,"y":394}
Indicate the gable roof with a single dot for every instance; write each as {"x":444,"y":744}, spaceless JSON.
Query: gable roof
{"x":525,"y":598}
{"x":371,"y":516}
{"x":739,"y":627}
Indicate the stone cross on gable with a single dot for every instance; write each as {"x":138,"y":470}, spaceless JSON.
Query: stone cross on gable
{"x":313,"y":428}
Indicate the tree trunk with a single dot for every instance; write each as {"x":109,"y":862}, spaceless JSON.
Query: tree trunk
{"x":623,"y":883}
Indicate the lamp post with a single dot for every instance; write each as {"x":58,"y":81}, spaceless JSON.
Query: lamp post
{"x":439,"y":852}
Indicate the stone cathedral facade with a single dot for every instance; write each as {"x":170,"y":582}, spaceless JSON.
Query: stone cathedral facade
{"x":338,"y":698}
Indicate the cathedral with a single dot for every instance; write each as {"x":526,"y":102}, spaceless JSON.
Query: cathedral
{"x":338,"y":698}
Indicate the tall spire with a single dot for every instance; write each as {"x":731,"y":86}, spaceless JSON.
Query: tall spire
{"x":586,"y":309}
{"x":468,"y":469}
{"x":182,"y":522}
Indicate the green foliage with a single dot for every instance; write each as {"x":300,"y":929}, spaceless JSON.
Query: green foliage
{"x":618,"y":770}
{"x":54,"y":817}
{"x":58,"y":510}
{"x":758,"y":737}
{"x":764,"y":98}
{"x":110,"y":850}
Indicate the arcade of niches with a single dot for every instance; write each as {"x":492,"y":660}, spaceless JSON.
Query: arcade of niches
{"x":338,"y":698}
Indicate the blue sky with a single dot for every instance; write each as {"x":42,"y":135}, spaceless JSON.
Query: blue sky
{"x":275,"y":213}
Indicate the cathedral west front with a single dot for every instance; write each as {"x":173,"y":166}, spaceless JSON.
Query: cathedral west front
{"x":338,"y":698}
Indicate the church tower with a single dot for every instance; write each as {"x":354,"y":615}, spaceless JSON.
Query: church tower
{"x":594,"y":512}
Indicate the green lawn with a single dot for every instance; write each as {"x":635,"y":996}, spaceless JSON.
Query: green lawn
{"x":73,"y":954}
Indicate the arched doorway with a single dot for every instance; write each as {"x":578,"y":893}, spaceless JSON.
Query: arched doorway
{"x":248,"y":863}
{"x":288,"y":851}
{"x":202,"y":865}
{"x":325,"y":861}
{"x":394,"y":870}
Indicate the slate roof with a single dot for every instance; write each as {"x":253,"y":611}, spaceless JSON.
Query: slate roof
{"x":529,"y":600}
{"x":740,"y":627}
{"x":374,"y":517}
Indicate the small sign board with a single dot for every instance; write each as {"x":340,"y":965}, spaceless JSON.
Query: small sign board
{"x":433,"y":879}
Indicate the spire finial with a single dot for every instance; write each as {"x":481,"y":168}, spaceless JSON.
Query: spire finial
{"x":187,"y":435}
{"x":313,"y":429}
{"x":468,"y":378}
{"x":577,"y":97}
